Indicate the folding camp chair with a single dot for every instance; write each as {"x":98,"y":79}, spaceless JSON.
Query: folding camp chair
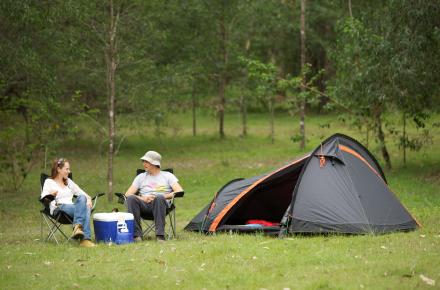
{"x":148,"y":220}
{"x":59,"y":218}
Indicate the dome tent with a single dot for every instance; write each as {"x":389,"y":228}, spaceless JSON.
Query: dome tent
{"x":337,"y":188}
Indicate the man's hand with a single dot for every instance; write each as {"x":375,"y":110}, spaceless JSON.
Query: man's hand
{"x":147,"y":198}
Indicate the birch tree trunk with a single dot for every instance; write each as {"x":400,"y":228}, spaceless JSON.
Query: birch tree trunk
{"x":222,"y":80}
{"x":272,"y":119}
{"x":404,"y":138}
{"x":111,"y":51}
{"x":243,"y":111}
{"x":302,"y":112}
{"x":243,"y":101}
{"x":194,"y":107}
{"x":349,"y":9}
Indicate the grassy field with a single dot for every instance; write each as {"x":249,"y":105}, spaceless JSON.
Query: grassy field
{"x":223,"y":261}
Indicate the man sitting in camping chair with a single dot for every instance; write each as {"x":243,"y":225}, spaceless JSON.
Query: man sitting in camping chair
{"x":155,"y":188}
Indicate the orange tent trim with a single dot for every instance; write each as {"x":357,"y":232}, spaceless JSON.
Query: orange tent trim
{"x":352,"y":152}
{"x":346,"y":149}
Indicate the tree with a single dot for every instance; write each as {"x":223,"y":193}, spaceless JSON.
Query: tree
{"x":384,"y":61}
{"x":265,"y":78}
{"x":303,"y":63}
{"x":34,"y":111}
{"x":111,"y":60}
{"x":414,"y":42}
{"x":223,"y":18}
{"x":117,"y":43}
{"x":101,"y":23}
{"x":359,"y":78}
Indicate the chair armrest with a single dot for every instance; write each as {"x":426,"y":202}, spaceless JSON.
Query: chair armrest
{"x":99,"y":194}
{"x":179,"y":194}
{"x":121,"y":197}
{"x":46,"y":200}
{"x":95,"y":199}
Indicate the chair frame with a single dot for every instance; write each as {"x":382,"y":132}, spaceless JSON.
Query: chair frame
{"x":54,"y":224}
{"x":148,"y":222}
{"x":56,"y":221}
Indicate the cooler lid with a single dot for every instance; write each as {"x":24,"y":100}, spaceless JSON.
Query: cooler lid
{"x":112,"y":216}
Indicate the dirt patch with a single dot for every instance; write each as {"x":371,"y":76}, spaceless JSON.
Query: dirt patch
{"x":433,"y":177}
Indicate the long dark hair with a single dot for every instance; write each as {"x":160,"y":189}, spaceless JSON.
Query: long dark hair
{"x":58,"y":163}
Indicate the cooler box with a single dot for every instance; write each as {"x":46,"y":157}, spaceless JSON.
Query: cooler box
{"x":114,"y":227}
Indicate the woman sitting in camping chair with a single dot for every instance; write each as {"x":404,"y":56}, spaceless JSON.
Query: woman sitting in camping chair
{"x":64,"y":189}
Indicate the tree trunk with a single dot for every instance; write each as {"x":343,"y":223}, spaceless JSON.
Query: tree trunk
{"x":243,"y":101}
{"x":243,"y":111}
{"x":222,"y":80}
{"x":349,"y":8}
{"x":272,"y":120}
{"x":404,"y":139}
{"x":381,"y":138}
{"x":194,"y":107}
{"x":111,"y":62}
{"x":368,"y":136}
{"x":302,"y":129}
{"x":221,"y":108}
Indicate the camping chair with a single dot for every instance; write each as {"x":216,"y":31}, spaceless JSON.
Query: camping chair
{"x":148,"y":220}
{"x":59,"y":218}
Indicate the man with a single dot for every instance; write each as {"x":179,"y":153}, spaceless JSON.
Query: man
{"x":155,"y":188}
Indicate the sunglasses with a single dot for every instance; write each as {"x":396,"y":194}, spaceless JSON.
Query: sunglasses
{"x":60,"y":162}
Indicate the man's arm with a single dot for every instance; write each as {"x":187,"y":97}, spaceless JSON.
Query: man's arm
{"x":176,"y":188}
{"x":131,"y":190}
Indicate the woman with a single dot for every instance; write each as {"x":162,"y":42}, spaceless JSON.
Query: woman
{"x":63,"y":189}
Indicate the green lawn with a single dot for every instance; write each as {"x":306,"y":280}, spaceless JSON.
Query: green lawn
{"x":192,"y":261}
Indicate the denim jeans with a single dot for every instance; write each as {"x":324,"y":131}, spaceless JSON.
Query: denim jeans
{"x":80,"y":213}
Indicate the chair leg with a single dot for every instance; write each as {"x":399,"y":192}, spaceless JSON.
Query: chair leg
{"x":57,"y":227}
{"x":41,"y":226}
{"x":174,"y":224}
{"x":172,"y":216}
{"x":170,"y":234}
{"x":53,"y":226}
{"x":149,"y":227}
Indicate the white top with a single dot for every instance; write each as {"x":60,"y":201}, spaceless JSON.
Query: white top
{"x":155,"y":184}
{"x":65,"y":193}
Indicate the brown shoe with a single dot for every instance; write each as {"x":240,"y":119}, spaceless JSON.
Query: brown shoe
{"x":77,"y":232}
{"x":87,"y":244}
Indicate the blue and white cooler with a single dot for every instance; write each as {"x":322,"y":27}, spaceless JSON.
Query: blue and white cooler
{"x":114,"y":227}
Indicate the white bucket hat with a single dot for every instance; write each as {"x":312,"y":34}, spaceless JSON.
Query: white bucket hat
{"x":152,"y":157}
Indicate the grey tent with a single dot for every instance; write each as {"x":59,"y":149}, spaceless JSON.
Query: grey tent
{"x":337,"y":188}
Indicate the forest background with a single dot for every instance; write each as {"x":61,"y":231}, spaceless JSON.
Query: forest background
{"x":223,"y":89}
{"x":66,"y":61}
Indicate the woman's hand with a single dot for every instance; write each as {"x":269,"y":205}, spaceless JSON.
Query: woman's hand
{"x":54,"y":193}
{"x":89,"y":202}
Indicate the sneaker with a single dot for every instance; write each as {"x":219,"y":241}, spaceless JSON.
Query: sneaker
{"x":87,"y":244}
{"x":160,"y":239}
{"x":137,"y":239}
{"x":77,"y":232}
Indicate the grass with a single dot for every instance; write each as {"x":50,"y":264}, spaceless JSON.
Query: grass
{"x":223,"y":261}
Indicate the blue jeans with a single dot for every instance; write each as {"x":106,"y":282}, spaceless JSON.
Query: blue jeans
{"x":80,"y":213}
